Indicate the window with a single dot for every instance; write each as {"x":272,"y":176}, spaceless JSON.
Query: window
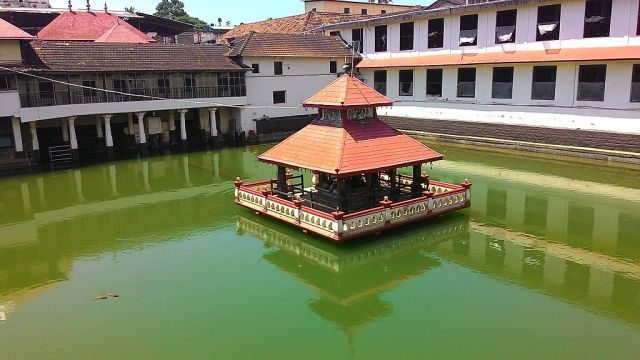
{"x":406,"y":82}
{"x":164,"y":83}
{"x":120,"y":85}
{"x":364,"y":12}
{"x":435,"y":37}
{"x":502,"y":87}
{"x":506,"y":26}
{"x":548,"y":23}
{"x":381,"y":38}
{"x":190,"y":81}
{"x":347,"y":10}
{"x":334,"y":33}
{"x":466,"y":83}
{"x":638,"y":22}
{"x":256,"y":68}
{"x":89,"y":92}
{"x":544,"y":83}
{"x":591,"y":80}
{"x":597,"y":18}
{"x":277,"y":68}
{"x":406,"y":36}
{"x":468,"y":30}
{"x":635,"y":84}
{"x":380,"y":81}
{"x":45,"y":89}
{"x":383,"y":12}
{"x":434,"y":82}
{"x":356,"y":38}
{"x":7,"y":82}
{"x":333,"y":67}
{"x":279,"y":97}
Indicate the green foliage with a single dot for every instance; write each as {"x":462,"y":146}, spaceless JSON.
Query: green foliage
{"x":174,"y":10}
{"x":197,"y":23}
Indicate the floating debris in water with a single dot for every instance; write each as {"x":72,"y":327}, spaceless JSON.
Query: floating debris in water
{"x":107,"y":296}
{"x":3,"y":316}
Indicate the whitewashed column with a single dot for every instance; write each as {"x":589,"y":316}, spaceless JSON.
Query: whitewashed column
{"x":17,"y":135}
{"x":130,"y":123}
{"x":65,"y":131}
{"x":172,"y":120}
{"x":99,"y":127}
{"x":212,"y":118}
{"x":34,"y":136}
{"x":107,"y":130}
{"x":183,"y":121}
{"x":143,"y":136}
{"x":72,"y":133}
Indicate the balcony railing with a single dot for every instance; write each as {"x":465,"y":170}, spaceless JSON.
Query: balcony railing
{"x":87,"y":96}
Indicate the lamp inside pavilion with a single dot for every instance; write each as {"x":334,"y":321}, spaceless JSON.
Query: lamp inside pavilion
{"x":354,"y":159}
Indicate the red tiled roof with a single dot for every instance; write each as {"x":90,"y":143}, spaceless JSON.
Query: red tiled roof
{"x":10,"y":32}
{"x":88,"y":26}
{"x":347,"y":92}
{"x":289,"y":45}
{"x":557,"y":55}
{"x":123,"y":34}
{"x":349,"y":150}
{"x":310,"y":22}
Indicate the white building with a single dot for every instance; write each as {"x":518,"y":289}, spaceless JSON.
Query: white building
{"x":42,"y":4}
{"x":571,"y":64}
{"x":287,"y":69}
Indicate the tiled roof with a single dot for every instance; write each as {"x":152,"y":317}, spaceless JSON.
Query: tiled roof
{"x":310,"y":22}
{"x":500,"y":57}
{"x":88,"y":26}
{"x":294,"y":45}
{"x":10,"y":32}
{"x":120,"y":33}
{"x":87,"y":56}
{"x":349,"y":150}
{"x":345,"y":92}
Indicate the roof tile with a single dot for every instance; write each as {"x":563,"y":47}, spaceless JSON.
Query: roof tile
{"x":289,"y":45}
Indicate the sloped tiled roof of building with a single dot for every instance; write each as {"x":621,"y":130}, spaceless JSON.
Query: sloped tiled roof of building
{"x":92,"y":57}
{"x":310,"y":22}
{"x":10,"y":32}
{"x":289,"y":45}
{"x":89,"y":26}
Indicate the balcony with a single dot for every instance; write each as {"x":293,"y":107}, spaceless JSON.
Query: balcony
{"x":88,"y":96}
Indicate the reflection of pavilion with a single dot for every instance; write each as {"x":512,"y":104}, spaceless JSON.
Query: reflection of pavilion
{"x":351,"y":279}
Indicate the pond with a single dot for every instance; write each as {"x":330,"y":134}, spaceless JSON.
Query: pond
{"x":151,"y":259}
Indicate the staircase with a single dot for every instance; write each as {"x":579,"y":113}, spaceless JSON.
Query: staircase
{"x":60,"y":157}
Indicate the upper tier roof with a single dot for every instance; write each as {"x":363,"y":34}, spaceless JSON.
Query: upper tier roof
{"x":347,"y":92}
{"x":10,"y":32}
{"x":91,"y":26}
{"x":355,"y":148}
{"x":289,"y":45}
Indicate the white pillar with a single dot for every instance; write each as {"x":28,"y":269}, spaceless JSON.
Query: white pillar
{"x":183,"y":121}
{"x":72,"y":133}
{"x":99,"y":127}
{"x":17,"y":134}
{"x":65,"y":130}
{"x":172,"y":120}
{"x":107,"y":130}
{"x":212,"y":118}
{"x":130,"y":123}
{"x":143,"y":136}
{"x":34,"y":137}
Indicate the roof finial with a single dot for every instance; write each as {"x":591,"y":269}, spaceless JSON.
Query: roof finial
{"x":70,"y":6}
{"x":106,"y":8}
{"x":88,"y":6}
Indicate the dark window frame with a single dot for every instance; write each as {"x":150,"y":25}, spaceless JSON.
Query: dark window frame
{"x":502,"y":82}
{"x":255,"y":68}
{"x":364,"y":12}
{"x":333,"y":67}
{"x":357,"y":41}
{"x":545,"y":76}
{"x":278,"y":68}
{"x":380,"y":86}
{"x":547,"y":15}
{"x":597,"y":18}
{"x":8,"y":82}
{"x":347,"y":10}
{"x":596,"y":80}
{"x":506,"y":21}
{"x":434,"y":82}
{"x":402,"y":83}
{"x":468,"y":27}
{"x":435,"y":33}
{"x":468,"y":73}
{"x":280,"y":97}
{"x":635,"y":84}
{"x":407,"y":33}
{"x":380,"y":35}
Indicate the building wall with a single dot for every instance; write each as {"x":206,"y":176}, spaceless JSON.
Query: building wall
{"x":10,"y":51}
{"x":616,"y":113}
{"x":9,"y":103}
{"x":354,"y":7}
{"x":301,"y":78}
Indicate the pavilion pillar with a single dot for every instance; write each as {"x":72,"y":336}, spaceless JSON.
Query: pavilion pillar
{"x":183,"y":128}
{"x":143,"y":136}
{"x":393,"y":185}
{"x":35,"y":145}
{"x":172,"y":126}
{"x":65,"y":131}
{"x":132,"y":131}
{"x":108,"y":135}
{"x":73,"y":138}
{"x":212,"y":118}
{"x":17,"y":137}
{"x":343,"y":203}
{"x":416,"y":184}
{"x":99,"y":131}
{"x":283,"y":187}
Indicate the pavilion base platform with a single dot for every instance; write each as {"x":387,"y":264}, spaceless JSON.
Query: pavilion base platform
{"x":296,"y":207}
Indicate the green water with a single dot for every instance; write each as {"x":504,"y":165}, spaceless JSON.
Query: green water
{"x":544,"y":265}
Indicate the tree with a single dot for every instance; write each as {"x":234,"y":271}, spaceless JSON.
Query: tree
{"x":171,"y":9}
{"x":130,"y":9}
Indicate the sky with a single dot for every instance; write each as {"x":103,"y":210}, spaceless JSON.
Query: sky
{"x":236,"y":11}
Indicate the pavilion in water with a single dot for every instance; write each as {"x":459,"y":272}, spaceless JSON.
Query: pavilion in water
{"x":356,"y":185}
